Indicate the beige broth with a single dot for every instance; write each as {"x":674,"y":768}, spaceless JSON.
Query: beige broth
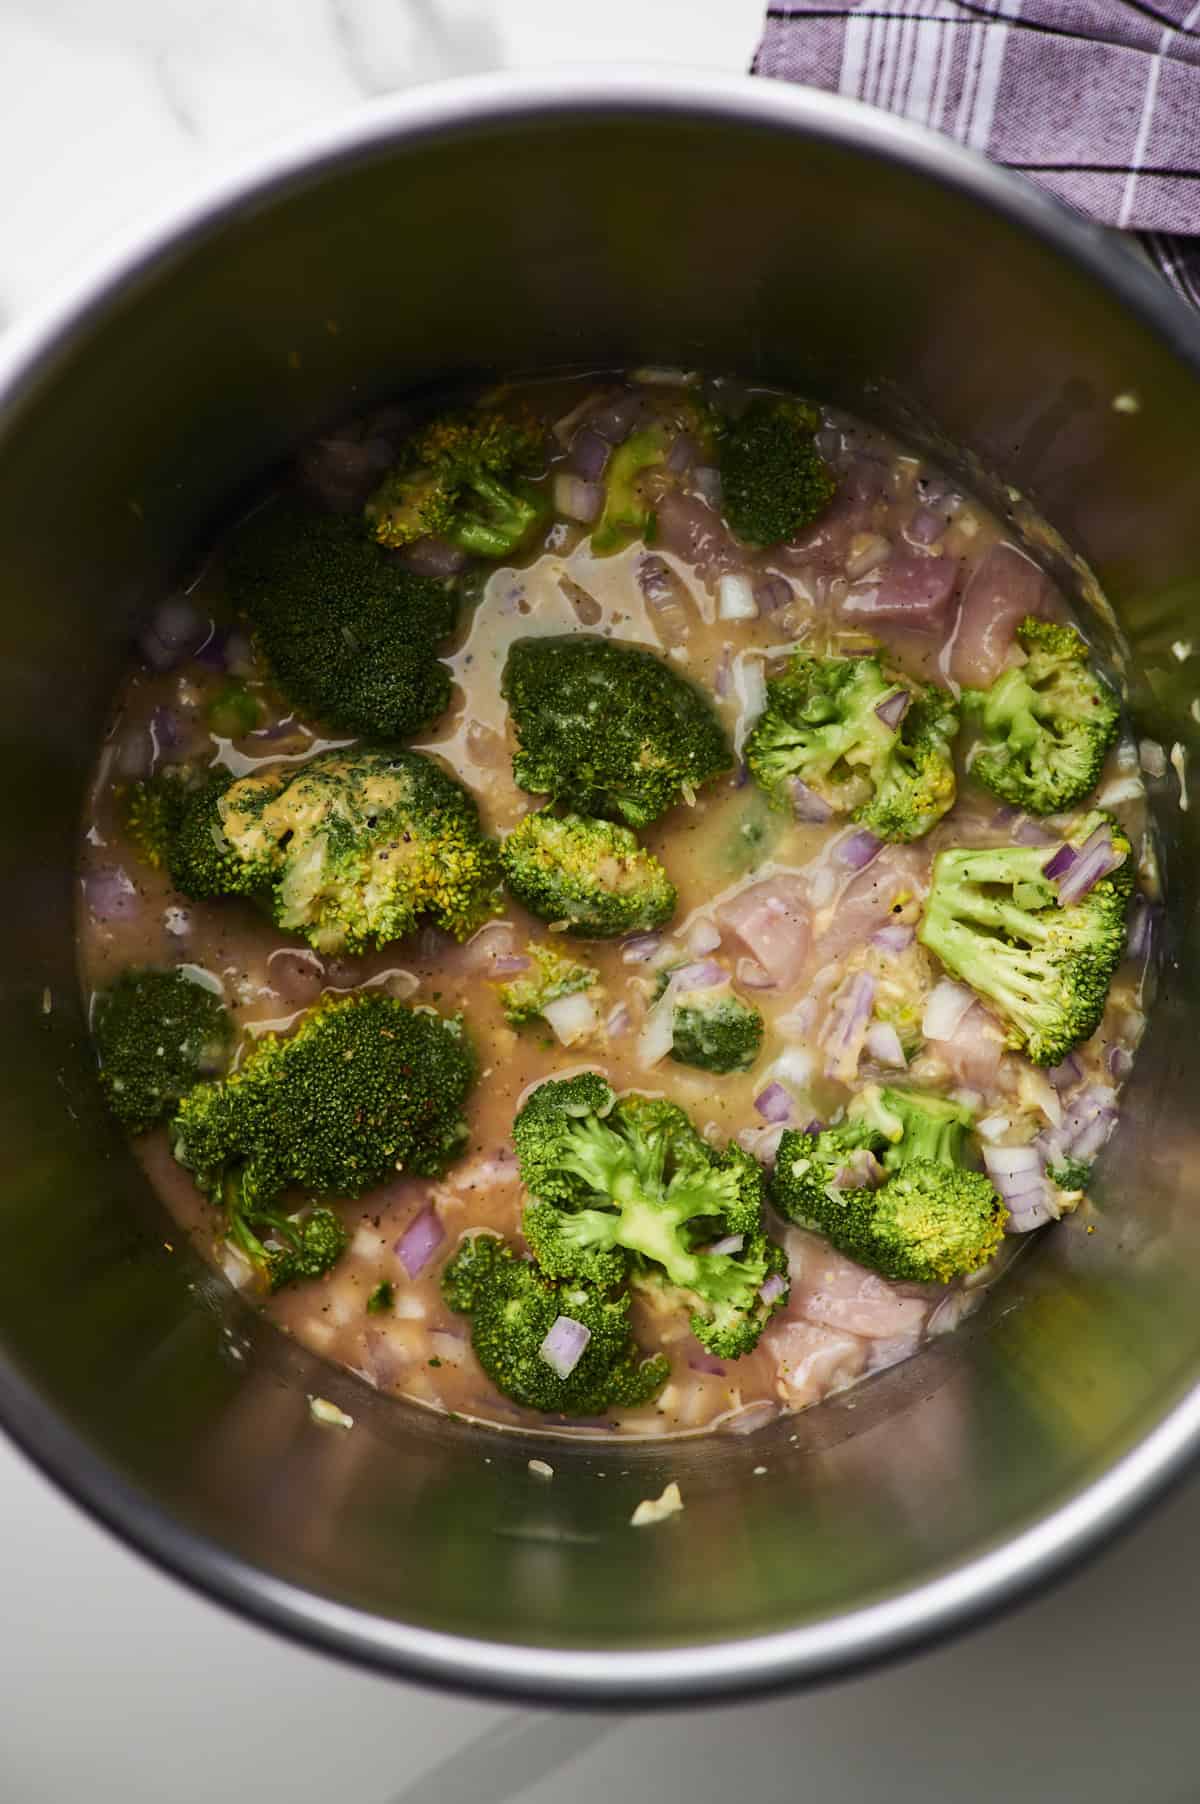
{"x":841,"y":1323}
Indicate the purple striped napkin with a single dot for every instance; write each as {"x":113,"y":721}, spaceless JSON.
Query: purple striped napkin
{"x":1098,"y":100}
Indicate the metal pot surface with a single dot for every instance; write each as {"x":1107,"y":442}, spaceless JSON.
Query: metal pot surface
{"x":525,"y":224}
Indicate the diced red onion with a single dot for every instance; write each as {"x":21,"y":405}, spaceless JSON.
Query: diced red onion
{"x":945,"y":1007}
{"x":892,"y":709}
{"x":1013,"y":1165}
{"x":1060,"y":864}
{"x":751,"y":974}
{"x":883,"y":1044}
{"x":1068,"y":1073}
{"x":509,"y":964}
{"x":212,"y":653}
{"x":774,"y":1103}
{"x":707,"y":483}
{"x":589,"y":453}
{"x":570,"y":1018}
{"x":705,"y":1363}
{"x":565,"y":1345}
{"x":807,"y":804}
{"x":926,"y":526}
{"x":857,"y":849}
{"x":703,"y":936}
{"x":619,"y":1022}
{"x":773,"y":1289}
{"x":894,"y":937}
{"x":862,"y":1171}
{"x":1141,"y":927}
{"x":1097,"y":859}
{"x":419,"y":1242}
{"x":772,"y":592}
{"x":433,"y":557}
{"x":846,"y":1028}
{"x":655,"y":578}
{"x":1029,"y":832}
{"x":1031,"y":1211}
{"x":721,"y":680}
{"x":815,"y":1127}
{"x":728,"y":1243}
{"x":704,"y":975}
{"x":641,"y":948}
{"x":1090,"y":1121}
{"x":577,"y":499}
{"x":1119,"y":1061}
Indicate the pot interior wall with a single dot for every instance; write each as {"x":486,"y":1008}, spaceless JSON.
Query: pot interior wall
{"x":587,"y":235}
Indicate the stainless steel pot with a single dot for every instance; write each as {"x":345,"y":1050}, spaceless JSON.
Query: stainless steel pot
{"x":526,"y":224}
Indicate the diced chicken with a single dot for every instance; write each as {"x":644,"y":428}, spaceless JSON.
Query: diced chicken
{"x":812,"y":1361}
{"x":973,"y":1051}
{"x":771,"y":920}
{"x":835,"y":1293}
{"x":868,"y":900}
{"x":1006,"y":586}
{"x":913,"y":591}
{"x":695,"y":532}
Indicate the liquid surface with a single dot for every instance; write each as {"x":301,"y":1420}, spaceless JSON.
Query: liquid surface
{"x":729,"y":856}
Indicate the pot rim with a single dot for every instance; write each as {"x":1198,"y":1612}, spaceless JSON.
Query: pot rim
{"x":666,"y":1676}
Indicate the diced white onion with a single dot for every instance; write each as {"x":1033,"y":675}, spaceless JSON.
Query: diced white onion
{"x":883,"y":1044}
{"x":703,"y":936}
{"x":994,"y":1128}
{"x":794,"y":1066}
{"x":571,"y":1017}
{"x":658,"y":1033}
{"x":735,"y":598}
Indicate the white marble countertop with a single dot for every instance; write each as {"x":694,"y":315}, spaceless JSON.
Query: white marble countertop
{"x":120,"y":1687}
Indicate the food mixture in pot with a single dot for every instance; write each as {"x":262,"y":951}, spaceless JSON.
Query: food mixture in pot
{"x":616,"y":907}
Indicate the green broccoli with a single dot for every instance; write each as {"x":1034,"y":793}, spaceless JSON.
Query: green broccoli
{"x":713,"y":1029}
{"x":153,"y":813}
{"x":233,"y":711}
{"x":608,"y":728}
{"x":587,"y":875}
{"x":1070,"y":1174}
{"x":382,"y":1299}
{"x":865,"y":745}
{"x":285,"y":1249}
{"x":201,"y":861}
{"x":630,"y":1188}
{"x":157,"y":1034}
{"x":513,"y":1309}
{"x":996,"y":920}
{"x":364,"y":1088}
{"x":525,"y":998}
{"x":348,"y":634}
{"x":353,"y":848}
{"x":774,"y":481}
{"x":929,"y":1220}
{"x":627,"y":513}
{"x":1046,"y":726}
{"x":462,"y":478}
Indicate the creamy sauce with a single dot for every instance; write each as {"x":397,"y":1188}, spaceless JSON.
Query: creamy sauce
{"x":841,"y":1322}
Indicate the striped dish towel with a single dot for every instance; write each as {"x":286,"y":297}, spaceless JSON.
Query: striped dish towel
{"x":1098,"y":100}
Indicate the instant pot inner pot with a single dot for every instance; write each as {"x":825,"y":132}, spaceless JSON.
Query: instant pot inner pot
{"x":754,"y":231}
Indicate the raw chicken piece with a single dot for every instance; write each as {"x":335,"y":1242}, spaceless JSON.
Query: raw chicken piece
{"x":835,"y":1293}
{"x":811,"y":1361}
{"x":1006,"y":586}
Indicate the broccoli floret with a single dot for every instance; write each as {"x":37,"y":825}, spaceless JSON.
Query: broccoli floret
{"x":285,"y":1249}
{"x":995,"y":920}
{"x":349,"y":636}
{"x":233,"y":711}
{"x":353,"y":848}
{"x":525,"y":998}
{"x":382,"y":1299}
{"x":1045,"y":727}
{"x":917,"y":784}
{"x":513,"y":1308}
{"x":157,"y":1033}
{"x":1070,"y":1174}
{"x":627,"y":512}
{"x":826,"y":726}
{"x":153,"y":814}
{"x":930,"y":1219}
{"x":774,"y":481}
{"x":201,"y":861}
{"x":608,"y":729}
{"x":590,"y":876}
{"x":364,"y":1088}
{"x":714,"y":1030}
{"x":463,"y":478}
{"x":630,"y":1188}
